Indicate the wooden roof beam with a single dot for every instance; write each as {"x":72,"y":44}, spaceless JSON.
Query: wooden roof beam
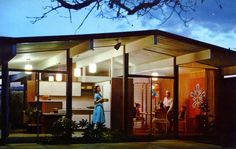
{"x":230,"y":70}
{"x":82,"y":47}
{"x":193,"y":57}
{"x":130,"y":47}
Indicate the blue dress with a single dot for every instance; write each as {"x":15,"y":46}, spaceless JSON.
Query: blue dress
{"x":98,"y":112}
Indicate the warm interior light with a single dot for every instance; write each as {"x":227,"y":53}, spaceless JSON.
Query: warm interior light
{"x":50,"y":78}
{"x":58,"y":77}
{"x":230,"y":76}
{"x":154,"y":78}
{"x":92,"y":68}
{"x":77,"y":72}
{"x":28,"y":67}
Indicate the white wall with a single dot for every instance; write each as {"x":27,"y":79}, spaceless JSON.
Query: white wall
{"x":82,"y":102}
{"x":58,"y":88}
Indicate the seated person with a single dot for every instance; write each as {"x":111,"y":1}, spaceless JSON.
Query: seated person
{"x":138,"y":112}
{"x":182,"y":113}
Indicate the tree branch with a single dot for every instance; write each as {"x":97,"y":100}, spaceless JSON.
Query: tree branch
{"x":76,"y":5}
{"x":120,"y":9}
{"x":44,"y":15}
{"x":85,"y":18}
{"x":143,"y":5}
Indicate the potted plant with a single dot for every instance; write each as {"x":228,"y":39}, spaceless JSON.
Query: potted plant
{"x":100,"y":133}
{"x":63,"y":128}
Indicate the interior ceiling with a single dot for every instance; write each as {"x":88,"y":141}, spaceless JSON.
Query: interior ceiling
{"x":35,"y":59}
{"x":142,"y":52}
{"x":143,"y":56}
{"x":110,"y":42}
{"x":45,"y":46}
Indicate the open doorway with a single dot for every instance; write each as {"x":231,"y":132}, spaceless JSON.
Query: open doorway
{"x":152,"y":114}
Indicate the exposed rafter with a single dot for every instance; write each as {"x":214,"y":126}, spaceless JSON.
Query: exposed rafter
{"x":111,"y":52}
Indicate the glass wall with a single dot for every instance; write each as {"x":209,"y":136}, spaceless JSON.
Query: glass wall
{"x":196,"y":100}
{"x":20,"y":113}
{"x":1,"y":104}
{"x":83,"y":103}
{"x":152,"y":114}
{"x":37,"y":97}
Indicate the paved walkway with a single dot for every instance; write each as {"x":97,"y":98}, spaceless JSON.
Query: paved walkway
{"x":160,"y":144}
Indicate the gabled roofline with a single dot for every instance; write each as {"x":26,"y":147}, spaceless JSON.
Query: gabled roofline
{"x":114,"y":35}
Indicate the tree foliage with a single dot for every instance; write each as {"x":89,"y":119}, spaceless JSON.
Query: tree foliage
{"x":161,"y":10}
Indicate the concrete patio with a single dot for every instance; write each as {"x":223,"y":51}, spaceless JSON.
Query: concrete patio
{"x":159,"y":144}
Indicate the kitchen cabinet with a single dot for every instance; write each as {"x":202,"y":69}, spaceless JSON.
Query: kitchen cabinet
{"x":58,"y":88}
{"x":30,"y":90}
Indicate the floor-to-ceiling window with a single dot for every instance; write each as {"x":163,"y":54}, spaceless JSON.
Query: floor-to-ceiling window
{"x":1,"y":105}
{"x":196,"y":100}
{"x":83,"y":103}
{"x":37,"y":96}
{"x":152,"y":76}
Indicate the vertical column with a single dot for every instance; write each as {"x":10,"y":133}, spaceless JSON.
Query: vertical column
{"x":111,"y":67}
{"x":83,"y":74}
{"x":125,"y":89}
{"x":69,"y":85}
{"x":150,"y":106}
{"x":5,"y":101}
{"x":38,"y":108}
{"x":176,"y":97}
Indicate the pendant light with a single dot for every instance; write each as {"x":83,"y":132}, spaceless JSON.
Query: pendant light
{"x":154,"y":78}
{"x":58,"y":75}
{"x":28,"y":67}
{"x":77,"y":72}
{"x":50,"y":78}
{"x":92,"y":68}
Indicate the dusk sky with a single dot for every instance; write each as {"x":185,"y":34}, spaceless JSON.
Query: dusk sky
{"x":210,"y":23}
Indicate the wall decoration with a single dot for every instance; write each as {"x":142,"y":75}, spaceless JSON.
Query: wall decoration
{"x":156,"y":96}
{"x":197,"y":96}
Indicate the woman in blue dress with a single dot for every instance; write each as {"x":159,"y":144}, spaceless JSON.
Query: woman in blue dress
{"x":98,"y":112}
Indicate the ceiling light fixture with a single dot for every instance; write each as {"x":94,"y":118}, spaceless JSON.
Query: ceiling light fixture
{"x":155,"y":75}
{"x":117,"y":45}
{"x":77,"y":72}
{"x":92,"y":68}
{"x":58,"y":75}
{"x":28,"y":67}
{"x":50,"y":78}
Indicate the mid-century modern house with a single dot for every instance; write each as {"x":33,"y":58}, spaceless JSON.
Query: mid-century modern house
{"x":54,"y":76}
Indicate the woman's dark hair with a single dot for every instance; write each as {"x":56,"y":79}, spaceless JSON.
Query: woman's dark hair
{"x":96,"y":89}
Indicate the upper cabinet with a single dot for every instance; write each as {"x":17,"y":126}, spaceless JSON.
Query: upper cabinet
{"x":58,"y":88}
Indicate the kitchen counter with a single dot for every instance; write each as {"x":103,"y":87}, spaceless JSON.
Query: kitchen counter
{"x":54,"y":114}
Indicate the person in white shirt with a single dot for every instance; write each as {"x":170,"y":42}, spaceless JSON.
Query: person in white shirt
{"x":167,"y":102}
{"x":168,"y":105}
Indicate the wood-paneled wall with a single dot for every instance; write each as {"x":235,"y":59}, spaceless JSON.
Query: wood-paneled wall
{"x":166,"y":84}
{"x":187,"y":84}
{"x":117,"y":104}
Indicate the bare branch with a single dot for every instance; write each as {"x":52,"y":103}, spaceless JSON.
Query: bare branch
{"x":121,"y":9}
{"x":85,"y":18}
{"x":44,"y":15}
{"x":141,"y":6}
{"x":77,"y":5}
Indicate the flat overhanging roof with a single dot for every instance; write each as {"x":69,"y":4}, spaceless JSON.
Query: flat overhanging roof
{"x":146,"y":44}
